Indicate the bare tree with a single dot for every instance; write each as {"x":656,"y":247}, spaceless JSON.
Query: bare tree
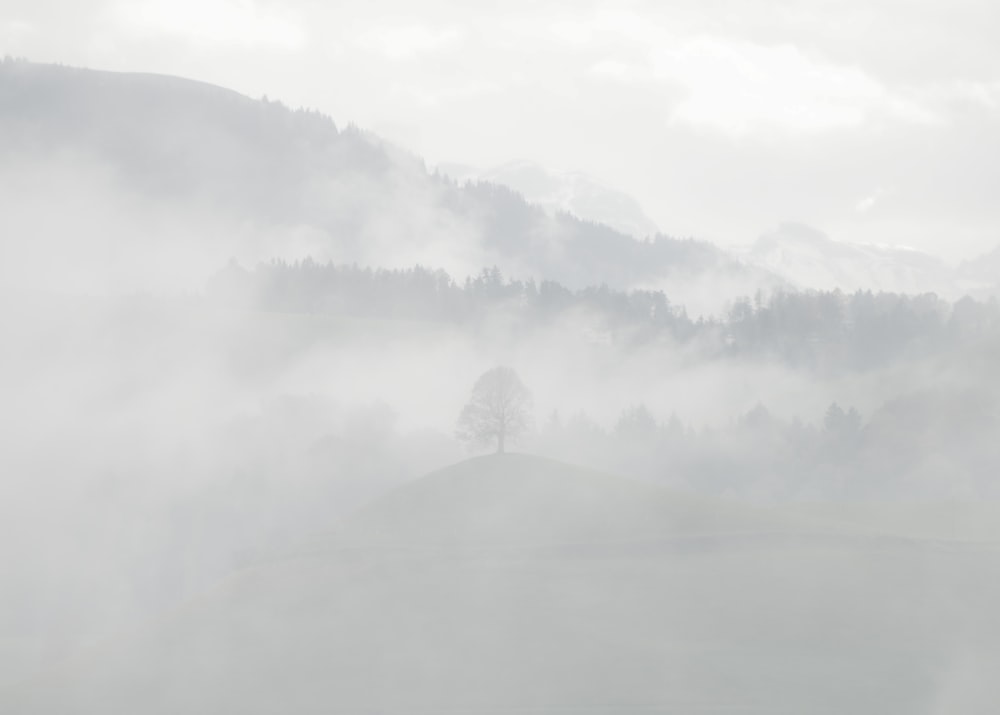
{"x":499,"y":409}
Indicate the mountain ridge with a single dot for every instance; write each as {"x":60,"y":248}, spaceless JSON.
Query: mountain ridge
{"x":278,"y":183}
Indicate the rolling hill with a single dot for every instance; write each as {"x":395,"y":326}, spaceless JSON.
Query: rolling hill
{"x":513,"y":584}
{"x":517,"y":501}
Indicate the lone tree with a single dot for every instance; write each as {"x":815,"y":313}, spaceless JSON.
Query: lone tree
{"x":499,"y":409}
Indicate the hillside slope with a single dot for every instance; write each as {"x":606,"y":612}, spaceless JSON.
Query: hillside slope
{"x":515,"y":500}
{"x":569,"y":192}
{"x":255,"y":180}
{"x":394,"y":623}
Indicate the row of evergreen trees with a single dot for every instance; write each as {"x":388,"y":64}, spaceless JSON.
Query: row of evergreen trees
{"x":825,"y":329}
{"x":927,"y":444}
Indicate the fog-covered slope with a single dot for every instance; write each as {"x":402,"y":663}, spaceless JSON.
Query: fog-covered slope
{"x":522,"y":501}
{"x":144,"y":165}
{"x":570,"y":192}
{"x":381,"y":617}
{"x":165,"y":164}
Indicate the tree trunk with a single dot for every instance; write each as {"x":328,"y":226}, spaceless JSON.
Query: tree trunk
{"x":500,"y":443}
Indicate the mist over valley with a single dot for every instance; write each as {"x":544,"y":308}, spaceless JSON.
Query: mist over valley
{"x":295,"y":423}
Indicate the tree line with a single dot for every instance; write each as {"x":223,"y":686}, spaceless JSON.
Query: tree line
{"x":817,"y":329}
{"x":928,"y":444}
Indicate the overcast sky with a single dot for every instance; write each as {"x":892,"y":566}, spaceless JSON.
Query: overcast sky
{"x":872,"y":120}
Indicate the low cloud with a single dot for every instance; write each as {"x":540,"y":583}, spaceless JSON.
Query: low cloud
{"x":403,"y":42}
{"x":868,"y":202}
{"x":741,"y":87}
{"x":211,"y":22}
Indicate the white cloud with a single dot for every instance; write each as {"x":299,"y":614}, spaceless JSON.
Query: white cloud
{"x":867,"y":203}
{"x":738,"y":87}
{"x":572,"y":32}
{"x":984,"y":93}
{"x":435,"y":96}
{"x":618,"y":70}
{"x":403,"y":42}
{"x":211,"y":22}
{"x":15,"y":27}
{"x":13,"y":31}
{"x":735,"y":85}
{"x":956,"y":93}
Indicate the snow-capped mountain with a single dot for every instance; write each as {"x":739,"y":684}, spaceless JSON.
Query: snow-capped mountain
{"x":809,"y":258}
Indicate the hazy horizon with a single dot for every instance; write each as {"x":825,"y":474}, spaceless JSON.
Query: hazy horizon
{"x":885,"y":139}
{"x":460,"y":359}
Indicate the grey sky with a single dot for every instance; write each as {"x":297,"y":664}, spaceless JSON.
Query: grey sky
{"x":876,"y":121}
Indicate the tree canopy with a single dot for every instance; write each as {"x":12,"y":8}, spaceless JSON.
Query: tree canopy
{"x":498,"y":410}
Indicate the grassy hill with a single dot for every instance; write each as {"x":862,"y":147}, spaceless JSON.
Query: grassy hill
{"x":388,"y":615}
{"x":519,"y":500}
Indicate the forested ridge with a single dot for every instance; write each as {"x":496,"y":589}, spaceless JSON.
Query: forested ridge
{"x":809,"y":328}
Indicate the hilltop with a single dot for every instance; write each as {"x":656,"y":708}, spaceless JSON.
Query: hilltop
{"x":521,"y":500}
